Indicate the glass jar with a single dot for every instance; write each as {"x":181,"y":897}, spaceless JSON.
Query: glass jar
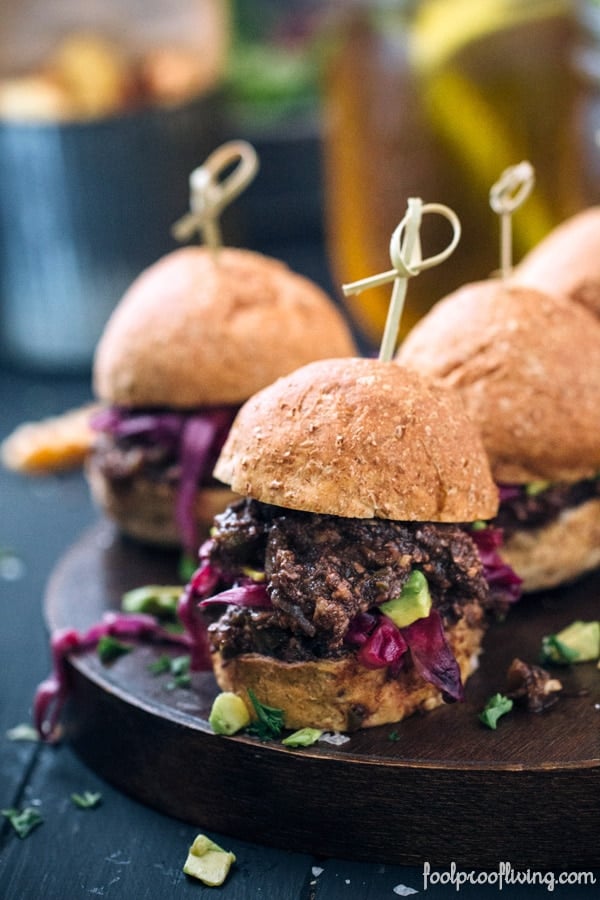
{"x":435,"y":99}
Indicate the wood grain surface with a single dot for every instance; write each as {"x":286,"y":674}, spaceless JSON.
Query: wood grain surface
{"x":439,"y":787}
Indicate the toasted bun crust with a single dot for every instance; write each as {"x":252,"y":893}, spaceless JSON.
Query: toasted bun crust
{"x":359,"y":438}
{"x":144,"y":509}
{"x":341,"y":695}
{"x":194,"y":331}
{"x":558,"y":553}
{"x":567,"y":261}
{"x":527,"y":366}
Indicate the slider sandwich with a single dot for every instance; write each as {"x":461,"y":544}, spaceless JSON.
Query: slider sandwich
{"x":194,"y":336}
{"x":346,"y":586}
{"x":567,"y":261}
{"x":527,"y":366}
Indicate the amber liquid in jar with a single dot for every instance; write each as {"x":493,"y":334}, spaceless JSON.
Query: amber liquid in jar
{"x":435,"y":102}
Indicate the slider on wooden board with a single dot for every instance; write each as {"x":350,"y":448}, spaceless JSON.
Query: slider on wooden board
{"x":567,"y":261}
{"x":526,"y":363}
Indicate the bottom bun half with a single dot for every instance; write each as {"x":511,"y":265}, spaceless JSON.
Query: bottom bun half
{"x":341,"y":695}
{"x":145,"y":509}
{"x":559,"y":552}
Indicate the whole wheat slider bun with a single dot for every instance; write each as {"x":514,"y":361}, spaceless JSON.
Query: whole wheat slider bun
{"x":341,"y":695}
{"x":527,"y":366}
{"x":567,"y":261}
{"x":559,"y":552}
{"x":194,"y":330}
{"x":359,"y":438}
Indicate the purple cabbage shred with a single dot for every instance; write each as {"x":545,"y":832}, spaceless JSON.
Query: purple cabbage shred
{"x":196,"y":438}
{"x":52,"y":693}
{"x":505,"y":584}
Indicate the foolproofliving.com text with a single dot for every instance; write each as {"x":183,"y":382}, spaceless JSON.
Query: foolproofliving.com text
{"x":503,"y":877}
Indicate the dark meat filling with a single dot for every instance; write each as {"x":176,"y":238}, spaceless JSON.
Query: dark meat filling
{"x":153,"y":444}
{"x":322,"y":571}
{"x":122,"y":459}
{"x":521,"y":509}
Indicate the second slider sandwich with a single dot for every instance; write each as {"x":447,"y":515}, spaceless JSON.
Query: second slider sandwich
{"x":345,"y":588}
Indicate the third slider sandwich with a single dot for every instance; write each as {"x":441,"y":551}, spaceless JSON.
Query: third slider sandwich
{"x":527,"y":366}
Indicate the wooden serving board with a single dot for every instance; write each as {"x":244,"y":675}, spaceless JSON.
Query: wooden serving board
{"x":439,"y":787}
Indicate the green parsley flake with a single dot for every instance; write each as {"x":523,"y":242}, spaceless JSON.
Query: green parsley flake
{"x":161,"y":665}
{"x":270,"y":720}
{"x":187,"y":566}
{"x":303,"y":738}
{"x":109,"y":648}
{"x":497,"y":706}
{"x":24,"y":820}
{"x":178,"y":667}
{"x":87,"y":800}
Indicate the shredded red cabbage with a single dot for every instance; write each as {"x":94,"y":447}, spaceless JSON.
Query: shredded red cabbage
{"x":195,"y":630}
{"x":509,"y":492}
{"x":385,"y":646}
{"x":505,"y":584}
{"x":249,"y":595}
{"x":196,"y":438}
{"x":200,"y":435}
{"x":433,"y":657}
{"x":52,"y":693}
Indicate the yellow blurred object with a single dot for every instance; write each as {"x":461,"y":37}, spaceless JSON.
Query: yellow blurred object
{"x":39,"y":98}
{"x":434,"y":100}
{"x":50,"y":445}
{"x":95,"y":73}
{"x":174,"y":74}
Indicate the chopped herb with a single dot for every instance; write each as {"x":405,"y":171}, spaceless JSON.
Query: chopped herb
{"x":578,"y":642}
{"x":109,"y":648}
{"x":479,"y":525}
{"x":154,"y":600}
{"x":257,"y":575}
{"x":394,"y":736}
{"x":187,"y":566}
{"x":87,"y":800}
{"x":161,"y":665}
{"x":495,"y":707}
{"x":303,"y":738}
{"x":536,"y":487}
{"x":24,"y":820}
{"x":178,"y":667}
{"x":270,"y":720}
{"x":23,"y":732}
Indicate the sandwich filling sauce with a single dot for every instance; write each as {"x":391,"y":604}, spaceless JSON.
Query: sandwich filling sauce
{"x":538,"y":504}
{"x":299,"y":586}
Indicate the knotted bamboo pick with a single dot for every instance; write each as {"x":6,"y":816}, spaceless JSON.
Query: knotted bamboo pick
{"x":210,"y":193}
{"x":407,"y":261}
{"x":506,"y":195}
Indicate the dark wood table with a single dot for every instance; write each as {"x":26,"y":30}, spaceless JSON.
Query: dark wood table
{"x":122,"y":848}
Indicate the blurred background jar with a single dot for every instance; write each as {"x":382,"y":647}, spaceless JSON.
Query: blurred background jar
{"x":435,"y":99}
{"x":106,"y":106}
